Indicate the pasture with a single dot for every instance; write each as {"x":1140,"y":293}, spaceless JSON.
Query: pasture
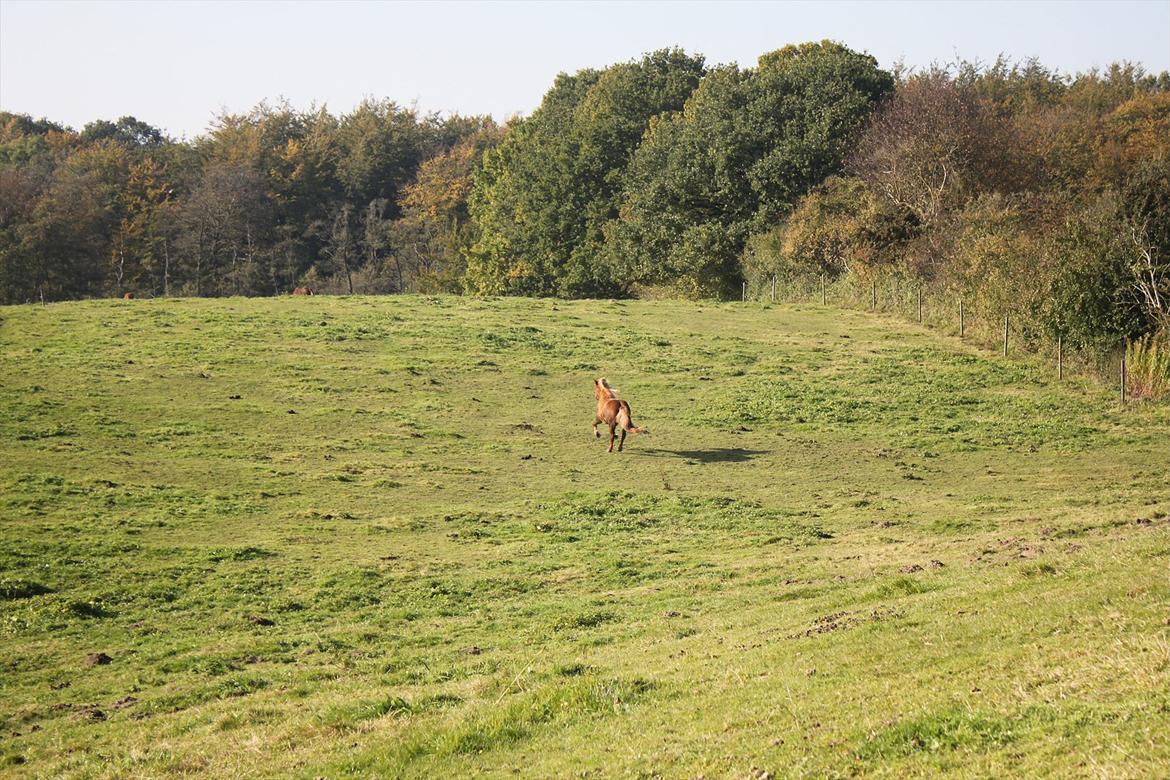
{"x":368,"y":537}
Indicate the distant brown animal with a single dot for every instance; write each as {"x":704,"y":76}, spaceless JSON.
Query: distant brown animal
{"x":303,"y":291}
{"x":128,"y":296}
{"x":613,"y":412}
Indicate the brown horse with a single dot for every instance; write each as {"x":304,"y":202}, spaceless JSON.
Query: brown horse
{"x":612,"y":412}
{"x":128,"y":296}
{"x":303,"y":291}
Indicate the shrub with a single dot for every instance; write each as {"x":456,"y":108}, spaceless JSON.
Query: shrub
{"x":1147,"y":362}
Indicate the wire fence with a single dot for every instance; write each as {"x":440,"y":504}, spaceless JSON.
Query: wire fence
{"x":953,"y":315}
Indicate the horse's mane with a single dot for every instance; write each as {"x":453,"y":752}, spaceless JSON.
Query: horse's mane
{"x":612,"y":390}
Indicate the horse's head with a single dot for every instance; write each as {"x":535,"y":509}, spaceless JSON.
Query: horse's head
{"x":602,"y":390}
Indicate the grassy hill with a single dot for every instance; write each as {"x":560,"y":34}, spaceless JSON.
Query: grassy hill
{"x":376,"y":537}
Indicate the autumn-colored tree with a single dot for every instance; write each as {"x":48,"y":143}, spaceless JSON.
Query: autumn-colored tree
{"x":933,"y":146}
{"x":1131,"y":135}
{"x":435,"y":230}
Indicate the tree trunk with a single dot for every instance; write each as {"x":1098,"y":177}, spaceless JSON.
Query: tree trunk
{"x":121,"y":272}
{"x":398,"y":271}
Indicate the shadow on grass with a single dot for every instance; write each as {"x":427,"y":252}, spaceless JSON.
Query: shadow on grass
{"x":719,"y":455}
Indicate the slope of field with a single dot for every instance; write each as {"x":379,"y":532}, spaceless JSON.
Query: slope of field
{"x":330,"y":537}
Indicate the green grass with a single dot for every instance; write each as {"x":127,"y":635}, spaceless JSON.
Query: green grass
{"x":375,"y":537}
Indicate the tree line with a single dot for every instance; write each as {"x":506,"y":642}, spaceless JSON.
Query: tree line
{"x":1020,"y":191}
{"x":1011,"y":184}
{"x":367,"y":202}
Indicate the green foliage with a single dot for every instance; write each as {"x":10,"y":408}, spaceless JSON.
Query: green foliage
{"x":633,"y":176}
{"x":379,"y":147}
{"x":128,"y":131}
{"x":543,"y":198}
{"x":841,"y":227}
{"x":1144,"y":217}
{"x":1090,"y":299}
{"x":743,"y":149}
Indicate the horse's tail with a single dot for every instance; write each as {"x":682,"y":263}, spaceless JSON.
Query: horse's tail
{"x":623,"y":419}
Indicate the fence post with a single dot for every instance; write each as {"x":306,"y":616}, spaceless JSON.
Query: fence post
{"x":1005,"y":334}
{"x":773,"y":288}
{"x":873,"y":296}
{"x":1123,"y":377}
{"x":962,"y":322}
{"x":1059,"y":356}
{"x":744,"y":291}
{"x":920,"y":305}
{"x":824,"y":300}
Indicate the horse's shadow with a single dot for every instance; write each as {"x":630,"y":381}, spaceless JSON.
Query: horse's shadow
{"x":717,"y":455}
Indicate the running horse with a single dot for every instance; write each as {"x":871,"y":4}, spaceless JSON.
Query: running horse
{"x":613,"y":412}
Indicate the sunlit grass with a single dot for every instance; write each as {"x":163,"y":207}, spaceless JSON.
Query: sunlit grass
{"x":376,"y":537}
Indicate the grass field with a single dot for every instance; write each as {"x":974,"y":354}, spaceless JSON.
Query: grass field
{"x":331,"y":537}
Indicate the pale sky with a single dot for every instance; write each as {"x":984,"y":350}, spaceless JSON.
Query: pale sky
{"x":177,"y":64}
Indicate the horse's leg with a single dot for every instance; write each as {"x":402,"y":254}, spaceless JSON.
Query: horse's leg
{"x":611,"y":427}
{"x":622,"y":442}
{"x":596,"y":433}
